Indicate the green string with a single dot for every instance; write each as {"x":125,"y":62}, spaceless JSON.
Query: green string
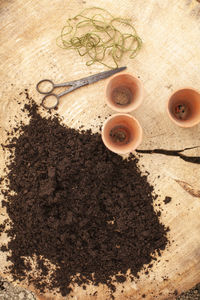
{"x":99,"y":37}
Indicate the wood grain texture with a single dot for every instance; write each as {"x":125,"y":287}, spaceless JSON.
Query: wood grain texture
{"x":169,"y":60}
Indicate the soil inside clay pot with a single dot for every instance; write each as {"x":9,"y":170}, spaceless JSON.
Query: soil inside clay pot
{"x":122,"y":95}
{"x":181,"y":111}
{"x":120,"y":135}
{"x":77,"y":205}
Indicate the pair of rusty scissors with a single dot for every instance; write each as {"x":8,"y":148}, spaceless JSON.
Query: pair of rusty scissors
{"x":72,"y":85}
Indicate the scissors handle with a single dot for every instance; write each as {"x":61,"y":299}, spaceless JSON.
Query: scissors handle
{"x":50,"y":101}
{"x":49,"y":86}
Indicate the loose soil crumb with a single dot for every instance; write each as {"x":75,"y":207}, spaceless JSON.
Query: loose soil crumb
{"x":78,"y":205}
{"x":176,"y":293}
{"x":167,"y":200}
{"x":2,"y":288}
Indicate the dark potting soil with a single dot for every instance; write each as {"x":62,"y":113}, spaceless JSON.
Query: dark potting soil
{"x":78,"y":205}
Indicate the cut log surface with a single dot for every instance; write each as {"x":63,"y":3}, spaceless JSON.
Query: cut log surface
{"x":168,"y":60}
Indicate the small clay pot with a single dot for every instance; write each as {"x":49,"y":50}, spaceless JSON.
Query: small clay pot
{"x":124,"y":93}
{"x":121,"y":133}
{"x":184,"y":107}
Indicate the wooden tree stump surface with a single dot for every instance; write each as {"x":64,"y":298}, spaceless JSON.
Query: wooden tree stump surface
{"x":169,"y":60}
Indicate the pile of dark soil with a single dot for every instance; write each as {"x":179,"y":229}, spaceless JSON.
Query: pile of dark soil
{"x":75,"y":203}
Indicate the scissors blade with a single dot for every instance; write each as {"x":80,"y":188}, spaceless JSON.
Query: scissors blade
{"x":100,"y":76}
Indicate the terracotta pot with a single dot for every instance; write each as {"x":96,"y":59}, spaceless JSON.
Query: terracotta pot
{"x":124,"y":93}
{"x":184,"y":107}
{"x":121,"y":133}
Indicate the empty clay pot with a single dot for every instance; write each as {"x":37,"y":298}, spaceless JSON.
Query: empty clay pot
{"x":121,"y":133}
{"x":184,"y":107}
{"x":124,"y":93}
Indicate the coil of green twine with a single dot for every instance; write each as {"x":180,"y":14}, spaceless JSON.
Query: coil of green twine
{"x":98,"y":36}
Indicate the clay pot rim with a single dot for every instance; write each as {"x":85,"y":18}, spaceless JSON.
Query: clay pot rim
{"x":179,"y":123}
{"x":123,"y":115}
{"x":128,"y":108}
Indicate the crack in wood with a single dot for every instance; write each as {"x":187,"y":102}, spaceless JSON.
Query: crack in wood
{"x":178,"y":153}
